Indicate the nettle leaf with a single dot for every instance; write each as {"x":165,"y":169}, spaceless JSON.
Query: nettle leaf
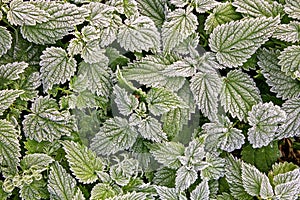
{"x":284,"y":86}
{"x":78,"y":195}
{"x":61,"y":185}
{"x":126,"y":103}
{"x":7,"y":98}
{"x":258,"y":8}
{"x":166,"y":193}
{"x":204,"y":5}
{"x":149,"y":71}
{"x":83,"y":162}
{"x":103,"y":191}
{"x":239,"y":94}
{"x":206,"y":88}
{"x":189,"y":47}
{"x":57,"y":67}
{"x":291,"y":127}
{"x":161,"y":101}
{"x":92,"y":53}
{"x":201,"y":192}
{"x":255,"y":182}
{"x":36,"y":161}
{"x":46,"y":122}
{"x":9,"y":146}
{"x":165,"y":177}
{"x":179,"y":24}
{"x":97,"y":76}
{"x":11,"y":71}
{"x":150,"y":128}
{"x":289,"y":60}
{"x":5,"y":40}
{"x":34,"y":191}
{"x":292,"y":8}
{"x":129,"y":7}
{"x":138,"y":34}
{"x":154,"y":9}
{"x":264,"y":119}
{"x":185,"y":177}
{"x":24,"y":13}
{"x":130,"y":196}
{"x":214,"y":169}
{"x":288,"y":32}
{"x":234,"y":43}
{"x":29,"y":86}
{"x":221,"y":14}
{"x":184,"y":68}
{"x":56,"y":27}
{"x":167,"y":153}
{"x":116,"y":134}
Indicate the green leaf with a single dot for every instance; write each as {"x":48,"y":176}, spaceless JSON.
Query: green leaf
{"x":92,"y":53}
{"x":3,"y":195}
{"x":7,"y":98}
{"x":166,"y":193}
{"x":292,"y":8}
{"x":75,"y":46}
{"x":239,"y":94}
{"x":288,"y":32}
{"x":130,"y":196}
{"x":165,"y":177}
{"x":206,"y":88}
{"x":221,"y":14}
{"x":126,"y":103}
{"x":56,"y":68}
{"x":5,"y":40}
{"x":179,"y":24}
{"x":234,"y":43}
{"x":11,"y":71}
{"x":36,"y":161}
{"x":56,"y":27}
{"x":83,"y":162}
{"x":214,"y":169}
{"x":103,"y":191}
{"x":154,"y":9}
{"x":289,"y":60}
{"x":284,"y":86}
{"x":34,"y":191}
{"x":281,"y":168}
{"x":24,"y":13}
{"x":139,"y":34}
{"x":128,"y":8}
{"x":204,"y":5}
{"x":61,"y":185}
{"x":185,"y":177}
{"x":116,"y":134}
{"x":29,"y":86}
{"x":150,"y":128}
{"x":184,"y":68}
{"x":258,"y":8}
{"x":46,"y":122}
{"x":201,"y":192}
{"x":161,"y":101}
{"x":9,"y":146}
{"x":264,"y":119}
{"x":78,"y":195}
{"x":263,"y":158}
{"x":167,"y":153}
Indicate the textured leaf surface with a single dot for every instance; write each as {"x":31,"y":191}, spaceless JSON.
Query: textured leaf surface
{"x":130,"y":196}
{"x":5,"y":40}
{"x":165,"y":177}
{"x":46,"y":122}
{"x":292,"y":8}
{"x":154,"y":9}
{"x":284,"y":86}
{"x":215,"y":167}
{"x":57,"y":67}
{"x":288,"y":32}
{"x":92,"y":53}
{"x":29,"y":86}
{"x":289,"y":60}
{"x":34,"y":191}
{"x":11,"y":71}
{"x":185,"y":176}
{"x":126,"y":103}
{"x":103,"y":191}
{"x":150,"y":128}
{"x":239,"y":94}
{"x":116,"y":134}
{"x":83,"y":162}
{"x":236,"y":41}
{"x":204,"y":5}
{"x":37,"y":161}
{"x":201,"y":192}
{"x":166,"y":193}
{"x":264,"y":119}
{"x":7,"y":98}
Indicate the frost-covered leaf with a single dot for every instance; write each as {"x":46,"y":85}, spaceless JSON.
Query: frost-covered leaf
{"x":34,"y":191}
{"x":29,"y":86}
{"x":166,"y":193}
{"x":289,"y":60}
{"x":9,"y":146}
{"x":83,"y":162}
{"x":161,"y":101}
{"x":61,"y":185}
{"x":11,"y":71}
{"x":116,"y":134}
{"x":37,"y":161}
{"x":179,"y":24}
{"x":165,"y":177}
{"x":204,"y":5}
{"x":292,"y":8}
{"x":126,"y":103}
{"x":258,"y":8}
{"x":291,"y":127}
{"x":128,"y":7}
{"x":25,"y":13}
{"x":7,"y":98}
{"x":167,"y":153}
{"x":189,"y":46}
{"x":150,"y":128}
{"x":185,"y":176}
{"x":288,"y":32}
{"x":130,"y":196}
{"x":57,"y":67}
{"x":236,"y":41}
{"x":221,"y":14}
{"x":201,"y":192}
{"x":5,"y":40}
{"x":46,"y":122}
{"x":78,"y":195}
{"x":264,"y":119}
{"x":154,"y":9}
{"x":97,"y":76}
{"x":284,"y":86}
{"x":206,"y":88}
{"x":139,"y":34}
{"x":184,"y":68}
{"x":102,"y":191}
{"x":56,"y":27}
{"x":214,"y":169}
{"x":75,"y":46}
{"x":239,"y":94}
{"x":92,"y":53}
{"x":149,"y":71}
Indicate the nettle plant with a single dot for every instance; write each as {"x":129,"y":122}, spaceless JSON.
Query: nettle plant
{"x":149,"y":99}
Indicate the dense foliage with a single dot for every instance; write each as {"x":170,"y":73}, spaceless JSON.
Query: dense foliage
{"x":149,"y":99}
